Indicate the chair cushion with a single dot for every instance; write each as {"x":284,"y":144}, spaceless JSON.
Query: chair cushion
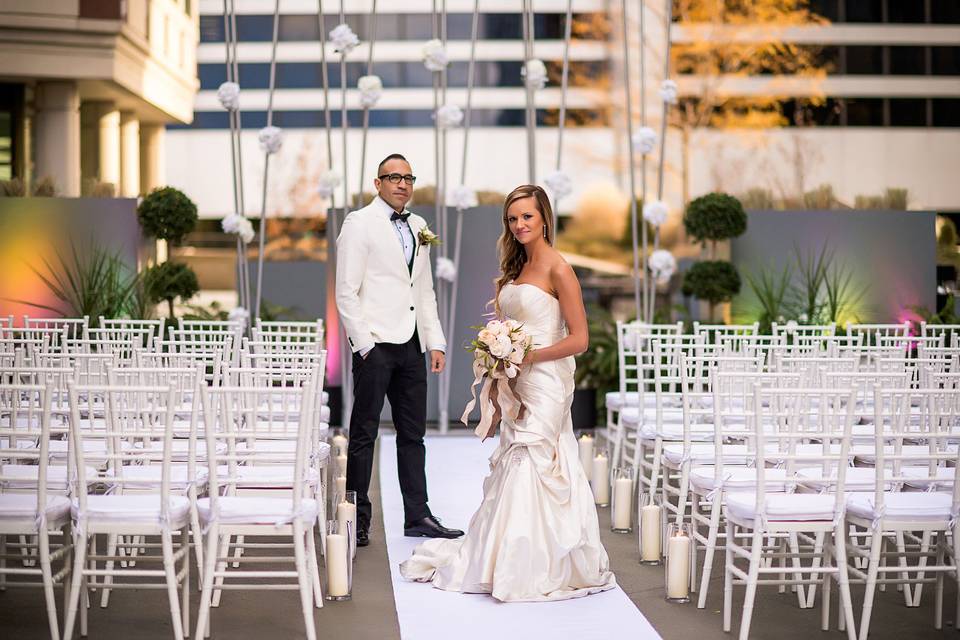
{"x":148,"y":476}
{"x":782,"y":507}
{"x":266,"y":476}
{"x":18,"y":506}
{"x":857,"y":479}
{"x":919,"y":477}
{"x":867,"y":453}
{"x":257,"y":510}
{"x":615,"y":401}
{"x":703,"y":480}
{"x":631,"y":415}
{"x":670,"y":430}
{"x":132,"y":508}
{"x":706,"y":454}
{"x":901,"y":506}
{"x":24,"y":476}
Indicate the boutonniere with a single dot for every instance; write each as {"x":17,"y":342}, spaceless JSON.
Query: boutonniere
{"x":428,"y":238}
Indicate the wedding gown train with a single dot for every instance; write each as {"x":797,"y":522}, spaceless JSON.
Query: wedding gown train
{"x":535,"y":536}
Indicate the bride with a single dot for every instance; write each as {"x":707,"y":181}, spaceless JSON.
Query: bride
{"x":535,"y":536}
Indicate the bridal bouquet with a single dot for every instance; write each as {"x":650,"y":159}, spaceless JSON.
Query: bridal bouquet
{"x":498,"y":350}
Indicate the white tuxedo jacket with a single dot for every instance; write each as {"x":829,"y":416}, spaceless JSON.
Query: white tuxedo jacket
{"x":378,"y":298}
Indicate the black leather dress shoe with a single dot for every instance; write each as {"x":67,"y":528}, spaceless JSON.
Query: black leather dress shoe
{"x":429,"y":527}
{"x":363,"y":537}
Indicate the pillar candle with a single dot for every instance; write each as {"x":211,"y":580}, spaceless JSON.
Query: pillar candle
{"x":341,"y":465}
{"x":341,"y":486}
{"x":601,"y":479}
{"x":678,"y":567}
{"x":339,"y":444}
{"x":337,"y":582}
{"x":622,"y":503}
{"x":346,"y":512}
{"x":650,"y":533}
{"x":586,"y":453}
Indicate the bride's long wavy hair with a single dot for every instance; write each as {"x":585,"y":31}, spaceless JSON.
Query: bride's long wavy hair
{"x":510,"y":250}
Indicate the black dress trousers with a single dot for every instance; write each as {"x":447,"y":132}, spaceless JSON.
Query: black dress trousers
{"x":398,"y":372}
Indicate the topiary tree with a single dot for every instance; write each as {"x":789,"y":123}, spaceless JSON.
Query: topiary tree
{"x":167,"y":214}
{"x":169,"y":281}
{"x":712,"y":218}
{"x":713,"y":281}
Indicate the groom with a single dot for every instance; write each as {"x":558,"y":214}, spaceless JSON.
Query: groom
{"x":389,"y":311}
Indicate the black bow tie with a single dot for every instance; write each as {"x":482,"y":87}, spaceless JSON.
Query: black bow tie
{"x":399,"y":216}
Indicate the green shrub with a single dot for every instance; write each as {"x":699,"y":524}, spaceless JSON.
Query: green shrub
{"x":715,"y":216}
{"x":169,"y":281}
{"x":713,"y":281}
{"x":167,"y":214}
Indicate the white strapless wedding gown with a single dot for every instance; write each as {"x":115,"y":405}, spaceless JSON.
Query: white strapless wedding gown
{"x":535,"y":536}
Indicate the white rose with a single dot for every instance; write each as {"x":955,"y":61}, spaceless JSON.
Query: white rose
{"x":271,"y":139}
{"x":495,"y":327}
{"x":502,"y":347}
{"x":662,"y":265}
{"x":791,"y":326}
{"x":803,"y":318}
{"x":486,"y":337}
{"x":511,"y":324}
{"x":510,"y":370}
{"x":516,"y":356}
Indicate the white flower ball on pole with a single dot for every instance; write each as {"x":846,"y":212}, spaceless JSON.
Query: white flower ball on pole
{"x":534,"y":74}
{"x":239,"y":314}
{"x":239,"y":225}
{"x":371,"y":88}
{"x":644,"y":140}
{"x":435,"y":56}
{"x":446,"y":269}
{"x":655,"y":212}
{"x":668,"y":91}
{"x":271,"y":139}
{"x":449,"y":116}
{"x":662,"y":265}
{"x":462,"y":197}
{"x":329,"y":182}
{"x":229,"y":96}
{"x":559,"y":184}
{"x":344,"y":39}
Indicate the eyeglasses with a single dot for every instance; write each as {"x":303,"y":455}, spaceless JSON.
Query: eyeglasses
{"x":395,"y":178}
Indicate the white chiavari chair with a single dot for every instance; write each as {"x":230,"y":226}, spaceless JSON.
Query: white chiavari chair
{"x":634,"y":355}
{"x":753,"y":516}
{"x":762,"y":346}
{"x":6,"y":322}
{"x":50,"y":339}
{"x":211,"y":355}
{"x":720,"y":465}
{"x":696,"y":448}
{"x":282,"y":343}
{"x":227,"y":340}
{"x":714,"y":333}
{"x":120,"y":325}
{"x":73,"y":326}
{"x":313,"y":329}
{"x":134,"y":414}
{"x":870,"y":332}
{"x":951,"y":332}
{"x":232,"y":417}
{"x":884,"y":516}
{"x":793,"y":331}
{"x":27,"y":507}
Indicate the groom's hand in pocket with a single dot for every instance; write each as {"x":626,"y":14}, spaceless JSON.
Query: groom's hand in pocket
{"x":437,"y":361}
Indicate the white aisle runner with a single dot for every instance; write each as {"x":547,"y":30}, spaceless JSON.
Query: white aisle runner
{"x":456,"y":467}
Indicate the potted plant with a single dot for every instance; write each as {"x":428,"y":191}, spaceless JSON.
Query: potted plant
{"x":167,"y":214}
{"x":169,"y":281}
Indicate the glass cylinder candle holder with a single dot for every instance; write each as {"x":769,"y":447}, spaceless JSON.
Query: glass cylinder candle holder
{"x":347,"y":513}
{"x":338,"y":443}
{"x":585,"y":442}
{"x":621,"y":506}
{"x":679,"y":552}
{"x":339,"y":561}
{"x":600,"y":476}
{"x":649,"y":514}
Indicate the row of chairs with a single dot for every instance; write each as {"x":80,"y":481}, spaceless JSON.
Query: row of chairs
{"x":746,"y":437}
{"x":187,"y":443}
